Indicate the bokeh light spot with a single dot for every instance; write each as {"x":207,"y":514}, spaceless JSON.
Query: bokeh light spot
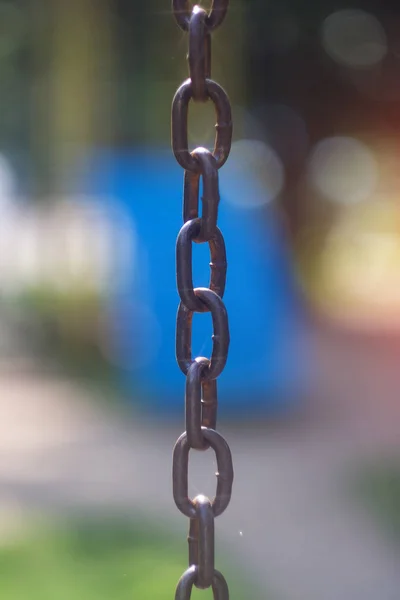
{"x":354,"y":38}
{"x":343,"y":169}
{"x":254,"y":174}
{"x":358,"y":265}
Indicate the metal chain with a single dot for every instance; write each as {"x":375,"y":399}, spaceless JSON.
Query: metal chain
{"x":201,"y":373}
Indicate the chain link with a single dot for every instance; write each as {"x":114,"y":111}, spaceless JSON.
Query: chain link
{"x":210,"y":199}
{"x":220,"y":335}
{"x":180,"y":473}
{"x":180,"y":109}
{"x":189,"y":578}
{"x":199,"y":55}
{"x":201,"y":387}
{"x":184,"y":277}
{"x":199,"y":412}
{"x":183,"y":13}
{"x":201,"y":542}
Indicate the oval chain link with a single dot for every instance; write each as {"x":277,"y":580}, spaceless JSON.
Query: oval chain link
{"x":180,"y":473}
{"x":199,"y":55}
{"x":214,"y":304}
{"x":201,"y":400}
{"x":210,"y":199}
{"x":201,"y":542}
{"x":201,"y":403}
{"x":188,"y":580}
{"x":184,"y":267}
{"x":179,"y":126}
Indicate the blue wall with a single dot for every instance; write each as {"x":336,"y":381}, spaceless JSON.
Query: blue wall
{"x":267,"y":366}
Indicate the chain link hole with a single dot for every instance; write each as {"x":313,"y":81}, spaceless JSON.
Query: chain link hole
{"x":201,"y":128}
{"x":201,"y":338}
{"x":203,"y":467}
{"x":200,"y":256}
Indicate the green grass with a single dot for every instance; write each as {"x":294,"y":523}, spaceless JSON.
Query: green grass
{"x":112,"y":559}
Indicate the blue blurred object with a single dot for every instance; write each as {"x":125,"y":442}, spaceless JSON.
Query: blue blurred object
{"x":267,"y":364}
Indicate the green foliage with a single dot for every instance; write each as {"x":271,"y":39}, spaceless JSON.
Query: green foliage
{"x":47,"y":299}
{"x":379,"y":487}
{"x":69,"y":322}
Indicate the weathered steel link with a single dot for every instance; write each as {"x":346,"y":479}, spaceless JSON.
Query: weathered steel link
{"x":210,"y":198}
{"x":188,"y":580}
{"x":184,"y":274}
{"x":220,"y":336}
{"x":199,"y":411}
{"x":201,"y":542}
{"x":201,"y":401}
{"x":199,"y":55}
{"x":182,"y":12}
{"x":180,"y":473}
{"x":179,"y":128}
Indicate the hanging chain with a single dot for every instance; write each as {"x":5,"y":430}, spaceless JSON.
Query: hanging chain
{"x":201,"y":373}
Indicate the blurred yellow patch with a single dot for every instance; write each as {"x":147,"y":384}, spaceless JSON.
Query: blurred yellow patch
{"x":354,"y":274}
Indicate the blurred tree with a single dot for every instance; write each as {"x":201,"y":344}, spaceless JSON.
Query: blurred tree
{"x":84,"y":73}
{"x":81,"y":97}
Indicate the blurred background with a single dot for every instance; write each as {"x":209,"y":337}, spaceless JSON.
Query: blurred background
{"x":92,"y":399}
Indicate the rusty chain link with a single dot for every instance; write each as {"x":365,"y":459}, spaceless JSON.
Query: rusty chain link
{"x":201,"y":402}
